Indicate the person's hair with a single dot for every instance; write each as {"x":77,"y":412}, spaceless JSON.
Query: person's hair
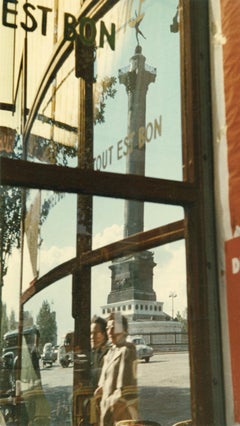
{"x":101,"y":322}
{"x":118,"y":316}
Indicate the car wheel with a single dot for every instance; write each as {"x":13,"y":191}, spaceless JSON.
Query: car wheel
{"x":147,"y":359}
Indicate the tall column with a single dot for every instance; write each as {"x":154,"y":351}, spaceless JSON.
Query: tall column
{"x":136,"y":78}
{"x":132,"y":276}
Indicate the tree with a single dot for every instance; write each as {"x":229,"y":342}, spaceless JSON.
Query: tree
{"x":5,"y":322}
{"x":28,"y":320}
{"x":104,"y":89}
{"x":12,"y":321}
{"x":183,"y":320}
{"x":46,"y":322}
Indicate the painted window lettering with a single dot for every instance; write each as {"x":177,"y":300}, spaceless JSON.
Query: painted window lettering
{"x":9,"y":15}
{"x":84,"y":27}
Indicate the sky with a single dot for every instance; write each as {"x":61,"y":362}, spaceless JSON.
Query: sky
{"x":163,"y":160}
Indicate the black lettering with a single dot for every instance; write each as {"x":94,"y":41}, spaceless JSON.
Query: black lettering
{"x":6,"y":11}
{"x":110,"y":37}
{"x":69,"y":27}
{"x":87,"y":31}
{"x":26,"y":27}
{"x":45,"y":11}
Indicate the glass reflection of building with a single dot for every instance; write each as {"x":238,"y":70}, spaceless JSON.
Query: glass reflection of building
{"x":132,"y":276}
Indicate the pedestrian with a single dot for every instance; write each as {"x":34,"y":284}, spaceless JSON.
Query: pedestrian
{"x":99,"y":347}
{"x":117,"y":385}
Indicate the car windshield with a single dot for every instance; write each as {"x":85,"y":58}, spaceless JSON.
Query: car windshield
{"x":138,"y":342}
{"x":48,"y":346}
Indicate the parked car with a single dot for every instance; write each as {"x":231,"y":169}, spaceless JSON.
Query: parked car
{"x":47,"y":356}
{"x":143,"y":351}
{"x":65,"y":358}
{"x":66,"y":349}
{"x":9,"y":358}
{"x":7,"y":374}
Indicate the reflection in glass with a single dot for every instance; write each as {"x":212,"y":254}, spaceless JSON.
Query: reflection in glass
{"x":115,"y":219}
{"x":53,"y":138}
{"x":137,"y":93}
{"x":52,"y":318}
{"x":139,"y":287}
{"x":50,"y":227}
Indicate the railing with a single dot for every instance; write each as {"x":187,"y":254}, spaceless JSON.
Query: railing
{"x":165,"y":339}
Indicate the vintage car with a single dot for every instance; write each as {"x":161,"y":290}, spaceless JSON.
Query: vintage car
{"x":9,"y":358}
{"x":143,"y":351}
{"x":47,"y":356}
{"x":65,"y":358}
{"x":7,"y":374}
{"x":66,"y":350}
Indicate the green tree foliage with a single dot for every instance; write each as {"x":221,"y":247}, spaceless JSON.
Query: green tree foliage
{"x":10,"y":224}
{"x":5,"y":320}
{"x":27,"y":319}
{"x":104,"y":89}
{"x":13,"y":323}
{"x":183,"y":320}
{"x":46,"y":322}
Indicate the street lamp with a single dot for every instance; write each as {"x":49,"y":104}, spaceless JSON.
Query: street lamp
{"x":172,"y":295}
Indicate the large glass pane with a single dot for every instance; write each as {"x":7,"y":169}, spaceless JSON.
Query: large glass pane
{"x":133,"y":126}
{"x":137,"y":92}
{"x":150,"y":291}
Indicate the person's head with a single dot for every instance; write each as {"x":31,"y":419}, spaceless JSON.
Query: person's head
{"x":98,"y":332}
{"x":117,"y":327}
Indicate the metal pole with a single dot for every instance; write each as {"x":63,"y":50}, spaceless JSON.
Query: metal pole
{"x":172,"y":295}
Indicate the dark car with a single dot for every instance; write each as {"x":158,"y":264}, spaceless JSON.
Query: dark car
{"x":48,"y":356}
{"x":55,"y":353}
{"x":9,"y":358}
{"x":7,"y":374}
{"x":65,"y":358}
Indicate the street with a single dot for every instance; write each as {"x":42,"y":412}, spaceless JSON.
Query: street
{"x":164,"y":390}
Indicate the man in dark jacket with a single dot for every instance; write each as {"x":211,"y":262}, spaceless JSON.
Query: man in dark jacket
{"x":99,"y":347}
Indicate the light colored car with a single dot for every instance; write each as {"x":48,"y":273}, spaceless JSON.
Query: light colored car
{"x":47,"y":355}
{"x":143,"y":351}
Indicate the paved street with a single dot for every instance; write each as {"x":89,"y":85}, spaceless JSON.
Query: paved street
{"x":164,"y":391}
{"x":164,"y":388}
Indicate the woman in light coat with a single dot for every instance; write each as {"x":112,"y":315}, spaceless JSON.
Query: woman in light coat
{"x":117,"y":385}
